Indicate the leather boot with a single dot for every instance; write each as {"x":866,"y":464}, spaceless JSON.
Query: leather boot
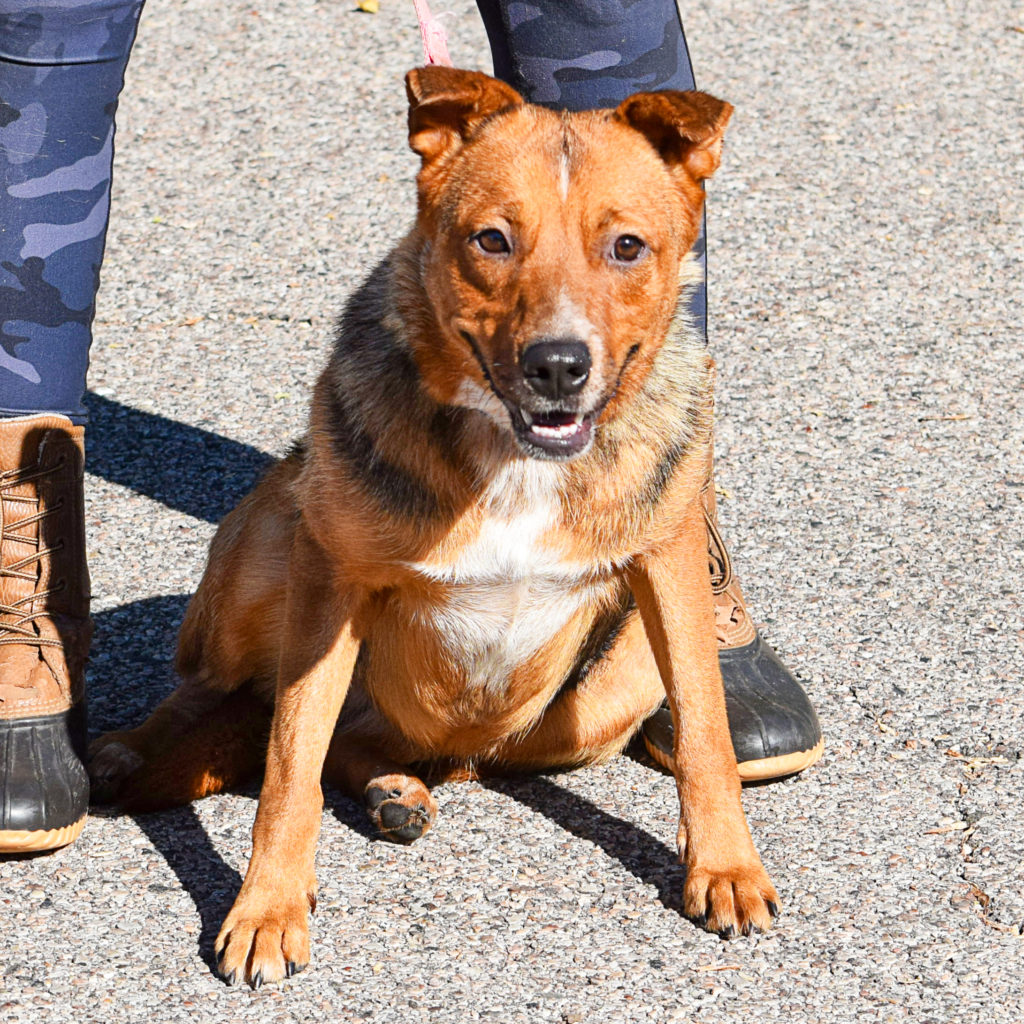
{"x":45,"y":631}
{"x":774,"y":727}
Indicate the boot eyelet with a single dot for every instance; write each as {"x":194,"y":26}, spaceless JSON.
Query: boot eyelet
{"x":61,"y":584}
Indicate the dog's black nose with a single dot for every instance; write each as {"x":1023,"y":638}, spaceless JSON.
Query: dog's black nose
{"x":556,"y":369}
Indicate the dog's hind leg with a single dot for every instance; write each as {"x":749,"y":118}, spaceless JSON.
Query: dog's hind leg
{"x":199,"y":741}
{"x":211,"y":732}
{"x":398,"y":804}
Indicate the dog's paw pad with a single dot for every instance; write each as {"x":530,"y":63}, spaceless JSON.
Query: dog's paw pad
{"x":401,"y":808}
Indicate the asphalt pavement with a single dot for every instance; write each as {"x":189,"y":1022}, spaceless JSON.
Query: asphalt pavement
{"x":867,"y":293}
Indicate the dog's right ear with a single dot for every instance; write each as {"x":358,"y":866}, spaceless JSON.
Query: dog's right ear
{"x":447,"y":105}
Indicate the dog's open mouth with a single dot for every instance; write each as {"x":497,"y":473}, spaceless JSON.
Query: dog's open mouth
{"x":559,"y":434}
{"x":553,"y":434}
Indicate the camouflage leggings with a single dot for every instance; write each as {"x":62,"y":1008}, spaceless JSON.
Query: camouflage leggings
{"x":61,"y":70}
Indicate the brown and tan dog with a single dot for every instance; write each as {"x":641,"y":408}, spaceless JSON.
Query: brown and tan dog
{"x":489,"y":554}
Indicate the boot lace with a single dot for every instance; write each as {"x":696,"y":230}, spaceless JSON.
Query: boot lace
{"x":719,"y":562}
{"x":732,"y":622}
{"x":17,"y":624}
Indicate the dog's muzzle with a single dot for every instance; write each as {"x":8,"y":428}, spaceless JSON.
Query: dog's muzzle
{"x":547,"y":422}
{"x":544,"y":403}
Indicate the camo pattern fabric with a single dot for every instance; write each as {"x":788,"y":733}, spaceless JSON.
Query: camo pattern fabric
{"x":582,"y":54}
{"x":61,"y":70}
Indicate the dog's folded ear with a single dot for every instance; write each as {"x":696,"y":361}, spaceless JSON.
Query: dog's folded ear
{"x":685,"y":128}
{"x":446,"y":105}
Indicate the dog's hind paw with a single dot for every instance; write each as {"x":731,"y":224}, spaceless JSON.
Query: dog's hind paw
{"x":111,"y":763}
{"x":400,"y":807}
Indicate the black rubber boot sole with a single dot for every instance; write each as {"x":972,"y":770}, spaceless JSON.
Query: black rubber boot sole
{"x":774,"y":727}
{"x":44,"y":788}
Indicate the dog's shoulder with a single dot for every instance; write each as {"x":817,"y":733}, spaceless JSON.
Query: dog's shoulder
{"x":371,"y":413}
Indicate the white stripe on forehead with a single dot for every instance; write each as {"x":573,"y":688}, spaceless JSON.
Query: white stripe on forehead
{"x":567,"y":320}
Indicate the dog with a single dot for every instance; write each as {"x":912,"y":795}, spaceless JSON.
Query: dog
{"x":488,"y":555}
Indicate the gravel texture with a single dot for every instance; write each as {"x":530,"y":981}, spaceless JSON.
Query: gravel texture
{"x":866,"y":260}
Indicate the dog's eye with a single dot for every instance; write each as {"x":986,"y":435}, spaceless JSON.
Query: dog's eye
{"x":628,"y":248}
{"x":492,"y":241}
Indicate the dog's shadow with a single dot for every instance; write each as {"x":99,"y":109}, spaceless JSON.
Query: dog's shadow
{"x":648,"y":859}
{"x":203,"y":475}
{"x":183,"y":467}
{"x":130,"y":672}
{"x":190,"y":470}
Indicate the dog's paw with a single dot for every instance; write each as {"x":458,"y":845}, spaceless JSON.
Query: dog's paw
{"x":265,"y":940}
{"x":731,"y":901}
{"x":400,"y":807}
{"x":112,"y":761}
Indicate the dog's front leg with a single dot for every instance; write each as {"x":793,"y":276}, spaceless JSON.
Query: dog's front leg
{"x":726,"y":888}
{"x":265,"y":937}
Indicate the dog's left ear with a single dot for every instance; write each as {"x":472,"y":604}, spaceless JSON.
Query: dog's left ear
{"x":685,"y":128}
{"x":446,"y":105}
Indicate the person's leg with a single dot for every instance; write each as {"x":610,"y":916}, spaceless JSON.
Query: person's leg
{"x":62,"y":68}
{"x":580,"y":54}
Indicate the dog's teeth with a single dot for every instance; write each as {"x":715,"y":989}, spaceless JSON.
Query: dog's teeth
{"x":560,"y":431}
{"x":527,"y":417}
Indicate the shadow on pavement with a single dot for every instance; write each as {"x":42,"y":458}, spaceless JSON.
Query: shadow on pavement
{"x":645,"y":857}
{"x":349,"y":812}
{"x":131,"y":670}
{"x":185,"y":468}
{"x":210,"y":882}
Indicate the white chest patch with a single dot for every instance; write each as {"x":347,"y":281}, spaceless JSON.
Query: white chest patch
{"x":509,"y":593}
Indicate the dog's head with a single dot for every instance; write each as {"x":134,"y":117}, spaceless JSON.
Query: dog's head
{"x":551,"y":246}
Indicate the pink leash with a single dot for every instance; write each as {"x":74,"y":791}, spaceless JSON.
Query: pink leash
{"x":435,"y":42}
